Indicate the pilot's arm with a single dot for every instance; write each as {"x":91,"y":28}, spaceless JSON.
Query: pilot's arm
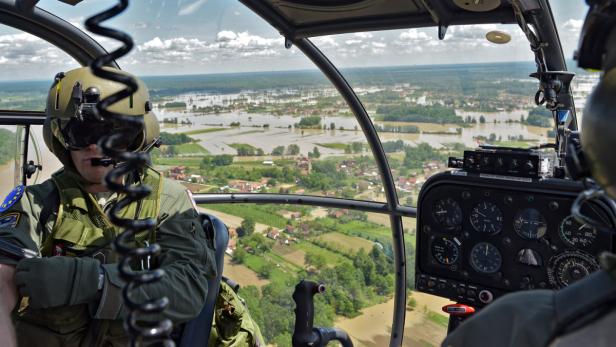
{"x":18,"y":225}
{"x":187,"y":258}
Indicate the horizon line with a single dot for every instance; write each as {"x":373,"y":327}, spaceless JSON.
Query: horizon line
{"x":300,"y":70}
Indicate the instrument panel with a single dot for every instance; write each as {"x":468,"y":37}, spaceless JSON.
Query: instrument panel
{"x":480,"y":238}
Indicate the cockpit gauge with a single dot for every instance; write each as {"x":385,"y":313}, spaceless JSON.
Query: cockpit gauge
{"x":575,"y":234}
{"x":485,"y":258}
{"x":570,"y":266}
{"x":530,"y":224}
{"x":487,"y":218}
{"x":529,"y":257}
{"x":448,"y":213}
{"x":446,"y":250}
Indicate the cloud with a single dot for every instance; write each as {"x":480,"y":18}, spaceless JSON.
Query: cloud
{"x":573,"y":25}
{"x":227,"y":44}
{"x":412,"y":35}
{"x":363,"y":35}
{"x":191,"y":8}
{"x":18,"y":49}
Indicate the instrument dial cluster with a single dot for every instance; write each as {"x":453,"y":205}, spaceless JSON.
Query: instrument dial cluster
{"x":501,"y":237}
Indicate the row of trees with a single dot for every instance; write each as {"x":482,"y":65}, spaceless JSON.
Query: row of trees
{"x":7,"y":145}
{"x":174,"y":139}
{"x":418,"y":113}
{"x":292,"y":149}
{"x":540,"y":116}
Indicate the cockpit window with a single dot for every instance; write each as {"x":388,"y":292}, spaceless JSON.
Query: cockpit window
{"x":8,"y":155}
{"x":27,"y":67}
{"x":240,"y":113}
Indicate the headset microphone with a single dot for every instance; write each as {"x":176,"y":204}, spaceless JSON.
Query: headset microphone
{"x":102,"y":161}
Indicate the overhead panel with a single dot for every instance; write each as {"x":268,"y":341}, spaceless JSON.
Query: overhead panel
{"x":296,"y":19}
{"x":305,"y":12}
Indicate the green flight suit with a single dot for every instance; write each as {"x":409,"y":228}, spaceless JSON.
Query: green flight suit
{"x":76,"y":225}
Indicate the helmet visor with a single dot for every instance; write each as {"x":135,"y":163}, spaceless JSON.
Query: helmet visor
{"x":79,"y":134}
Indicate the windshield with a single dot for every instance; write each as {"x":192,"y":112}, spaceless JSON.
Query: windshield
{"x":240,"y":113}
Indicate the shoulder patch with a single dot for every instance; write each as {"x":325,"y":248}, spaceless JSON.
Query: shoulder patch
{"x":12,"y":198}
{"x":9,"y":220}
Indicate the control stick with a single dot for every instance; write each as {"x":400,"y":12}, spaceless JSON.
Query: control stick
{"x":305,"y":334}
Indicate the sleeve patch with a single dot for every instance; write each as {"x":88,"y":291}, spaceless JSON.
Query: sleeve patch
{"x":9,"y":220}
{"x":12,"y":198}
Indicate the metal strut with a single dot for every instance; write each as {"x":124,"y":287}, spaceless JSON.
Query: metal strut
{"x":128,"y":173}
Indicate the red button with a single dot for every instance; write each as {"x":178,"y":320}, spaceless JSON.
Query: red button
{"x":458,"y":309}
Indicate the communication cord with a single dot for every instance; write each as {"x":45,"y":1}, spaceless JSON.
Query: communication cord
{"x":127,"y":171}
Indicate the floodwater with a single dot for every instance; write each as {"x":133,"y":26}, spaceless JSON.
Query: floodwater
{"x":373,"y":327}
{"x":251,"y":131}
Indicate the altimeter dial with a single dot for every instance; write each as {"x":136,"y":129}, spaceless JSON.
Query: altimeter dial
{"x":571,"y":266}
{"x":487,"y":218}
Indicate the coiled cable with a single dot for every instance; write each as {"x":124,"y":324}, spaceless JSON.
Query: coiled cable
{"x":121,"y":180}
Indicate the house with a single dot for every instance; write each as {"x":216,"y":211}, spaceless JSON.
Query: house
{"x":245,"y":186}
{"x":196,"y":178}
{"x":289,"y":229}
{"x":337,"y":213}
{"x":268,"y":162}
{"x":178,"y":173}
{"x":273,"y":234}
{"x":296,"y":215}
{"x":304,"y":165}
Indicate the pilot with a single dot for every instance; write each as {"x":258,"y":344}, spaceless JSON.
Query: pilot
{"x":584,"y":313}
{"x":70,"y":295}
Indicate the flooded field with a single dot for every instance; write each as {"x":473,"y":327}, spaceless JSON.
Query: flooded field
{"x":280,"y":131}
{"x":418,"y":330}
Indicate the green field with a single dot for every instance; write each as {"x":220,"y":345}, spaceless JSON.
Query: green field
{"x":203,"y":131}
{"x":193,"y":149}
{"x":256,"y":264}
{"x":186,"y":161}
{"x":259,"y":213}
{"x":365,"y":230}
{"x":331,"y":258}
{"x":438,"y":318}
{"x":346,"y":244}
{"x":334,"y":145}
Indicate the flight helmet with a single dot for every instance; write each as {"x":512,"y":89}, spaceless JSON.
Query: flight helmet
{"x":597,"y":50}
{"x":72,"y":122}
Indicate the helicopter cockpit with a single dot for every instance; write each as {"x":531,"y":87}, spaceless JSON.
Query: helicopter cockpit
{"x":427,"y":167}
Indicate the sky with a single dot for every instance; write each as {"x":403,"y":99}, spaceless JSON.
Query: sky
{"x":217,"y":36}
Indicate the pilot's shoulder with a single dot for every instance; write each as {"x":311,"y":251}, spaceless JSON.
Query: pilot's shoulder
{"x":36,"y":194}
{"x":175,"y":197}
{"x":172,"y":189}
{"x":42,"y":190}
